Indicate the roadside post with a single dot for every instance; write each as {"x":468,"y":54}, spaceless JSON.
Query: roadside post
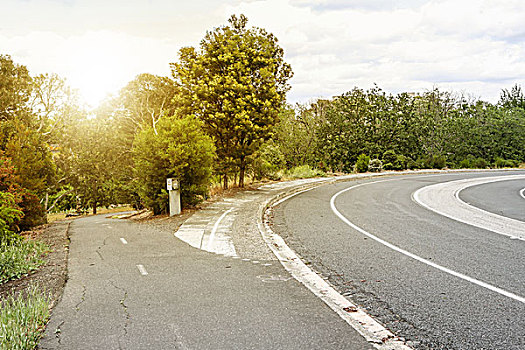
{"x":172,"y":185}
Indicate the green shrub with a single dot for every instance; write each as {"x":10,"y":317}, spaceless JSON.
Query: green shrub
{"x":412,"y":164}
{"x":361,"y":166}
{"x":479,"y":163}
{"x":375,"y":165}
{"x":506,"y":163}
{"x":389,"y":157}
{"x":393,"y":161}
{"x":388,"y":166}
{"x":464,"y":164}
{"x":435,"y":162}
{"x":34,"y":213}
{"x":180,"y":149}
{"x":267,"y":163}
{"x":303,"y":172}
{"x":23,"y":320}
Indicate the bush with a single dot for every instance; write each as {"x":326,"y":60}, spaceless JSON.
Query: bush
{"x":375,"y":165}
{"x":479,"y":163}
{"x":181,"y":150}
{"x":388,"y":166}
{"x":506,"y":163}
{"x":412,"y":164}
{"x":464,"y":164}
{"x":361,"y":166}
{"x":34,"y":213}
{"x":23,"y":320}
{"x":303,"y":172}
{"x":389,"y":157}
{"x":267,"y":162}
{"x":393,"y":161}
{"x":435,"y":162}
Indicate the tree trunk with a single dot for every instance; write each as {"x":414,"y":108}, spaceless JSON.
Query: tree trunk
{"x":95,"y":207}
{"x":225,"y":181}
{"x":242,"y":169}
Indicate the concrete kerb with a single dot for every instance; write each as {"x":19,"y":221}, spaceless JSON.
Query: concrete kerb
{"x":370,"y":329}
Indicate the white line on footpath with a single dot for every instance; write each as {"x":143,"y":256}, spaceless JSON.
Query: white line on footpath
{"x":142,"y":270}
{"x":123,"y":241}
{"x":413,"y":256}
{"x":216,"y":226}
{"x":522,"y":193}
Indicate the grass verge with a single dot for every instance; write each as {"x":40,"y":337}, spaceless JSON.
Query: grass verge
{"x":19,"y":256}
{"x":23,"y":319}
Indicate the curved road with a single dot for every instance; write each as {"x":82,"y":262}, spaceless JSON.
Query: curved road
{"x":429,"y":307}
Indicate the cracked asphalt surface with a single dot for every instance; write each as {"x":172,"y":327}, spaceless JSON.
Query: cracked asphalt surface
{"x":189,"y":299}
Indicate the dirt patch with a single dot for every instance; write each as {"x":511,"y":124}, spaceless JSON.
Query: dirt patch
{"x":52,"y":276}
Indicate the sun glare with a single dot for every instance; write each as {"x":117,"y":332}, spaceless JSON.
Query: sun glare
{"x":98,"y":68}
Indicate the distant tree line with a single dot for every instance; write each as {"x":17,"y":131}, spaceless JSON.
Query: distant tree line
{"x":406,"y":131}
{"x":222,"y":117}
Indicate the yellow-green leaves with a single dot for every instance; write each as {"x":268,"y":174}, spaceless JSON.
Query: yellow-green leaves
{"x":235,"y":82}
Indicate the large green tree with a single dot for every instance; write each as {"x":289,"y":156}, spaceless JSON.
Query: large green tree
{"x":235,"y":82}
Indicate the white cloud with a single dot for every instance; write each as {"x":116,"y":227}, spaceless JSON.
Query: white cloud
{"x":332,"y":45}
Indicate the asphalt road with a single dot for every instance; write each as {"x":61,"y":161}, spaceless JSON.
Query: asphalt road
{"x":132,"y":286}
{"x":432,"y":309}
{"x":502,"y":198}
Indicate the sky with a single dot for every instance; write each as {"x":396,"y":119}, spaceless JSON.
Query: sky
{"x":474,"y":47}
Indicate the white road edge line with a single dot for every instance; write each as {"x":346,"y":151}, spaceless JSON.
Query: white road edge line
{"x":375,"y":333}
{"x":142,"y":270}
{"x":416,"y":257}
{"x":522,"y":193}
{"x":123,"y":241}
{"x":499,"y":224}
{"x":215,"y":227}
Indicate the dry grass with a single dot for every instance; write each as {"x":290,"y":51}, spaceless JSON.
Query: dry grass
{"x":52,"y":217}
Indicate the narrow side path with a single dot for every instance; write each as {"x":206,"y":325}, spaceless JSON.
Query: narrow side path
{"x":182,"y":298}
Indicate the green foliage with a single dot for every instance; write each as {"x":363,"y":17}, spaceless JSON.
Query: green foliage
{"x":181,"y":150}
{"x":9,"y":214}
{"x":435,"y":162}
{"x":506,"y":163}
{"x":375,"y":165}
{"x":303,"y":172}
{"x":393,"y":161}
{"x":26,"y":167}
{"x":361,"y":166}
{"x":295,"y":133}
{"x":236,"y":84}
{"x":267,"y":162}
{"x":19,"y":256}
{"x":23,"y":319}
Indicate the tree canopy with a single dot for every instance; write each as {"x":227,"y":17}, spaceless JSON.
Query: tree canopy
{"x":235,"y":82}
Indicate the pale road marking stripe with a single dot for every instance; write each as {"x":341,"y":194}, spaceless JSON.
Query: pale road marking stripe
{"x":443,"y":198}
{"x":375,"y":333}
{"x":142,"y":270}
{"x":413,"y":256}
{"x":522,"y":193}
{"x":215,"y":227}
{"x":123,"y":241}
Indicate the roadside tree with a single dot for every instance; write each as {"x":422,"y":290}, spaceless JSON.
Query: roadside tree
{"x":235,"y":82}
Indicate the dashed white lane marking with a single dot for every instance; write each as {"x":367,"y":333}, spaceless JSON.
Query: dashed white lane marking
{"x":443,"y":198}
{"x":123,"y":241}
{"x":414,"y":256}
{"x":142,"y":270}
{"x":522,"y":193}
{"x":215,"y":227}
